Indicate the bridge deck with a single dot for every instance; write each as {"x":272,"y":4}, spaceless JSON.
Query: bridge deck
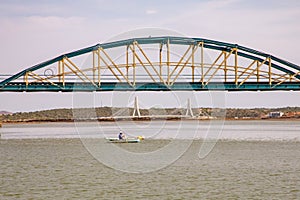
{"x":146,"y":86}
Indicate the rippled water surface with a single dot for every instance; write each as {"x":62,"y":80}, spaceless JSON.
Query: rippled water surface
{"x":246,"y":166}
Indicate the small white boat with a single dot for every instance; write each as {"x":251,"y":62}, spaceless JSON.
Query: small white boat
{"x":127,"y":140}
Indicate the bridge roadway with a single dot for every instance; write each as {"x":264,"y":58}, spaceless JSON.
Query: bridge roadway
{"x":149,"y":86}
{"x":147,"y":117}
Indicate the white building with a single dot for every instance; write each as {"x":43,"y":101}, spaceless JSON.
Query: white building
{"x":275,"y":114}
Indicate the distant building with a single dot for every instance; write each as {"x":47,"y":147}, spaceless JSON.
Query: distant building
{"x":275,"y":114}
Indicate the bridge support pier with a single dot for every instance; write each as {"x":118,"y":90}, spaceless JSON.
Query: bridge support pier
{"x":189,"y":111}
{"x":136,"y":111}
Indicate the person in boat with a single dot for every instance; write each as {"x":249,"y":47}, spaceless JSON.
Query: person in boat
{"x":122,"y":136}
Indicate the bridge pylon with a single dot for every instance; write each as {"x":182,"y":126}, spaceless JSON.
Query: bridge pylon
{"x":189,"y":111}
{"x":136,"y":110}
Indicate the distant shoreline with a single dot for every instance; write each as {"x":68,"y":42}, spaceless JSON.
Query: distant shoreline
{"x":111,"y":114}
{"x":144,"y":120}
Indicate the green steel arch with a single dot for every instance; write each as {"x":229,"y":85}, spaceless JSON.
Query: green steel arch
{"x":278,"y":74}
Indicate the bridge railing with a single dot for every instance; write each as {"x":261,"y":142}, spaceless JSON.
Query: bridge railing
{"x":138,"y":78}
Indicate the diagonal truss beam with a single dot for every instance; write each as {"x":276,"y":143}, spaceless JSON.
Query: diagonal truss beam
{"x":220,"y":65}
{"x":141,"y":62}
{"x":282,"y":81}
{"x":37,"y":77}
{"x":186,"y":62}
{"x":148,"y":60}
{"x":114,"y":64}
{"x":246,"y":69}
{"x":180,"y":60}
{"x":253,"y":71}
{"x":72,"y":65}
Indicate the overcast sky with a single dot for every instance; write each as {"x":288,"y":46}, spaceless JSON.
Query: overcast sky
{"x":33,"y":31}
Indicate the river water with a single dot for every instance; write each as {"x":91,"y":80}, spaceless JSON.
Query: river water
{"x":250,"y":160}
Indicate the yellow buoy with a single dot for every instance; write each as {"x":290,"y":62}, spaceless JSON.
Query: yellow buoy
{"x":140,"y":137}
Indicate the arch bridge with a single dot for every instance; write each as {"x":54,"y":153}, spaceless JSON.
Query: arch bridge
{"x":158,"y":64}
